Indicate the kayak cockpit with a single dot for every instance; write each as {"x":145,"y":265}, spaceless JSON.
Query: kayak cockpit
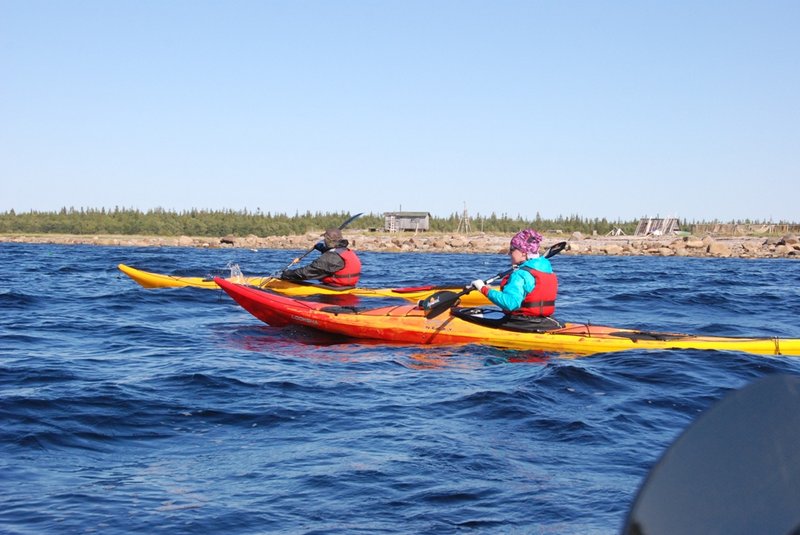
{"x":497,"y":319}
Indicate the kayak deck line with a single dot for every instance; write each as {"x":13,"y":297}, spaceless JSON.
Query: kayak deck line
{"x":408,"y":324}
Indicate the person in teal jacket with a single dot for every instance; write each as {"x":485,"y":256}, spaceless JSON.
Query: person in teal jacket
{"x":531,"y":289}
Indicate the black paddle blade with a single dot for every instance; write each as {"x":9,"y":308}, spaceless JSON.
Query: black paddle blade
{"x":439,"y":302}
{"x":735,"y":470}
{"x":353,"y":218}
{"x":555,"y":249}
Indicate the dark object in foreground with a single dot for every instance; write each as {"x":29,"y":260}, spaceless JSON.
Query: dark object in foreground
{"x":735,"y":470}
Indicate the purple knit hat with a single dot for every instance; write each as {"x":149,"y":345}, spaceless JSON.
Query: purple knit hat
{"x":527,"y":241}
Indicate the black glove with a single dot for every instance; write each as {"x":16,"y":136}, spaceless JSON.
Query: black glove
{"x":320,"y":246}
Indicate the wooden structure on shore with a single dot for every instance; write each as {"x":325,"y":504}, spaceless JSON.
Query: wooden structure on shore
{"x":657,"y":226}
{"x":406,"y":221}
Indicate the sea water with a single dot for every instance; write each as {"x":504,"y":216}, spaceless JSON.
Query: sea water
{"x":175,"y":411}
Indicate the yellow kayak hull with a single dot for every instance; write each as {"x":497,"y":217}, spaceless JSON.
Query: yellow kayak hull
{"x":149,"y":279}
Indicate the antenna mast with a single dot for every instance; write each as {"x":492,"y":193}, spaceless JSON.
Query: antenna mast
{"x":464,"y":223}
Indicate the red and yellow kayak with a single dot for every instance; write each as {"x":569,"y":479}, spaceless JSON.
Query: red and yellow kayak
{"x":408,"y":324}
{"x":148,"y":279}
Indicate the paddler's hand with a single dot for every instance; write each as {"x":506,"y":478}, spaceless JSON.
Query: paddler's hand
{"x":477,"y":284}
{"x":320,"y":246}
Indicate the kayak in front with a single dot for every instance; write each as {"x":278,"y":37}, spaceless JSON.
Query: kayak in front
{"x":408,"y":324}
{"x":148,"y":279}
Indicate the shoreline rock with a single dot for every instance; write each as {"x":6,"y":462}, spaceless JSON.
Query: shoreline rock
{"x":708,"y":246}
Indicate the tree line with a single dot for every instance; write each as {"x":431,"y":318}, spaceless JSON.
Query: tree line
{"x":161,"y":222}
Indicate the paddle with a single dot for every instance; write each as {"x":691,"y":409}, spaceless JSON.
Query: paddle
{"x":299,"y":258}
{"x":734,"y":470}
{"x":444,"y":300}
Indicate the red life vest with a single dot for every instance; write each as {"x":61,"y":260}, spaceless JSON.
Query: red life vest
{"x":541,"y":302}
{"x":349,"y":274}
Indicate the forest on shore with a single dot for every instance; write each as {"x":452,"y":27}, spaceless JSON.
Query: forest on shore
{"x":160,"y":222}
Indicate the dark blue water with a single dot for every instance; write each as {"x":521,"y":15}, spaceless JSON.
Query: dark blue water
{"x":175,"y":411}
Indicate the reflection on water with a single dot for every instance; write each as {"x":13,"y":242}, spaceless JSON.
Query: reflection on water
{"x":294,"y":342}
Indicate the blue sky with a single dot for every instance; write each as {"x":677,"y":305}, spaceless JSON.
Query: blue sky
{"x":609,"y":109}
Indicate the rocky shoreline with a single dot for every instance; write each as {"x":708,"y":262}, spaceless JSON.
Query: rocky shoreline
{"x":707,"y":246}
